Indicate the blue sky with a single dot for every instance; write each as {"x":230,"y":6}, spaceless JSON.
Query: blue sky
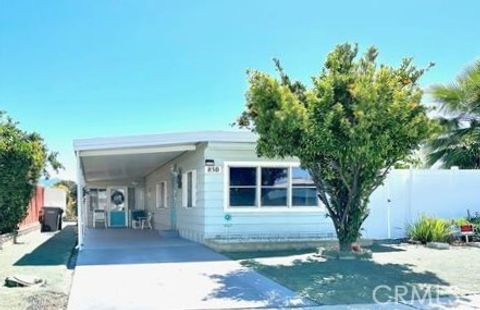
{"x":73,"y":69}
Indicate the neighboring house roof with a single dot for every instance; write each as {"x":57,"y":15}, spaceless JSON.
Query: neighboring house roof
{"x":165,"y":139}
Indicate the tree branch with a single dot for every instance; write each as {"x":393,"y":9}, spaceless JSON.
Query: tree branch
{"x":353,"y":193}
{"x":381,"y":178}
{"x":340,"y":173}
{"x":322,"y":190}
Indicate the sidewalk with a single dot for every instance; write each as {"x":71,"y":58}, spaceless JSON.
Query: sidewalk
{"x":463,"y":302}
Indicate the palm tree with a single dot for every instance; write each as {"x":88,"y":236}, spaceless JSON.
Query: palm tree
{"x":459,"y":143}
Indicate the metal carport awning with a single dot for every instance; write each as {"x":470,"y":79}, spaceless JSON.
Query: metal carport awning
{"x":127,"y":163}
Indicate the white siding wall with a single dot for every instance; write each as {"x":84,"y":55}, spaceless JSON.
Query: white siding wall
{"x":189,"y":221}
{"x":261,"y":223}
{"x":161,"y":216}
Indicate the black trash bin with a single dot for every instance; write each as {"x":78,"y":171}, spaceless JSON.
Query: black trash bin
{"x":51,"y":219}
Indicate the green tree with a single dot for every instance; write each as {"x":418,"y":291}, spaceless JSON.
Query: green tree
{"x":348,"y":129}
{"x":70,"y":187}
{"x":23,"y":159}
{"x":459,"y":144}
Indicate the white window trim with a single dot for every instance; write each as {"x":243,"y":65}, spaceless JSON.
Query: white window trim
{"x":158,"y":187}
{"x":265,"y":164}
{"x":185,"y":189}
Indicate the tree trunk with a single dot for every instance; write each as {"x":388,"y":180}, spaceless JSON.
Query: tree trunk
{"x":347,"y":234}
{"x":345,"y":242}
{"x":345,"y":246}
{"x":345,"y":208}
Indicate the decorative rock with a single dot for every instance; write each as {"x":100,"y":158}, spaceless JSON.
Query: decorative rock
{"x":356,"y":247}
{"x":474,"y":244}
{"x":23,"y":281}
{"x":438,"y":245}
{"x":410,"y":241}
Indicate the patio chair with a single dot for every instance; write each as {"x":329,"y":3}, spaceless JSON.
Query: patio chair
{"x":99,"y":216}
{"x":147,"y":222}
{"x":137,"y":217}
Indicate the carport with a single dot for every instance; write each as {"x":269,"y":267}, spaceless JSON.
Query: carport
{"x":118,"y":166}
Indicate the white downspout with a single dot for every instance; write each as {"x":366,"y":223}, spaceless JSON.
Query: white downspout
{"x":79,"y":200}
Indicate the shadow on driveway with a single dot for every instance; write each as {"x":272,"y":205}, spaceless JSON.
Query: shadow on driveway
{"x":57,"y":250}
{"x":246,"y":285}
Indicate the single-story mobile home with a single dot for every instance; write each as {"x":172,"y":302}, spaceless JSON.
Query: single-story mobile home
{"x":209,"y":187}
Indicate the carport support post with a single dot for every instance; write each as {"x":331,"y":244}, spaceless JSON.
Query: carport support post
{"x":79,"y":201}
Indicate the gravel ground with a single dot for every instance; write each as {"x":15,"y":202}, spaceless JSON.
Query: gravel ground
{"x":333,"y":282}
{"x":43,"y":255}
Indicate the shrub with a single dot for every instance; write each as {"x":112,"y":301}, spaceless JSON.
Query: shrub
{"x":23,"y":159}
{"x":475,"y":220}
{"x":429,"y":229}
{"x":70,"y":188}
{"x":459,"y":222}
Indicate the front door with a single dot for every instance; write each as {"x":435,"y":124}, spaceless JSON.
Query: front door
{"x":117,"y":197}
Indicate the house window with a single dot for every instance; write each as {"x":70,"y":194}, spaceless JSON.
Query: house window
{"x":189,"y":189}
{"x":274,"y":187}
{"x":243,"y":186}
{"x":304,"y":192}
{"x":270,"y":187}
{"x":161,"y":194}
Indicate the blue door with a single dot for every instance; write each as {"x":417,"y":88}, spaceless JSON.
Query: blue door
{"x":118,"y":206}
{"x":117,"y":219}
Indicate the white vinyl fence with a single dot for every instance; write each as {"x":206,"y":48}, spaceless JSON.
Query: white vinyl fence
{"x":407,"y":194}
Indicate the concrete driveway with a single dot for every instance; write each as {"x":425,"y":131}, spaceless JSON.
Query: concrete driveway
{"x":129,"y":269}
